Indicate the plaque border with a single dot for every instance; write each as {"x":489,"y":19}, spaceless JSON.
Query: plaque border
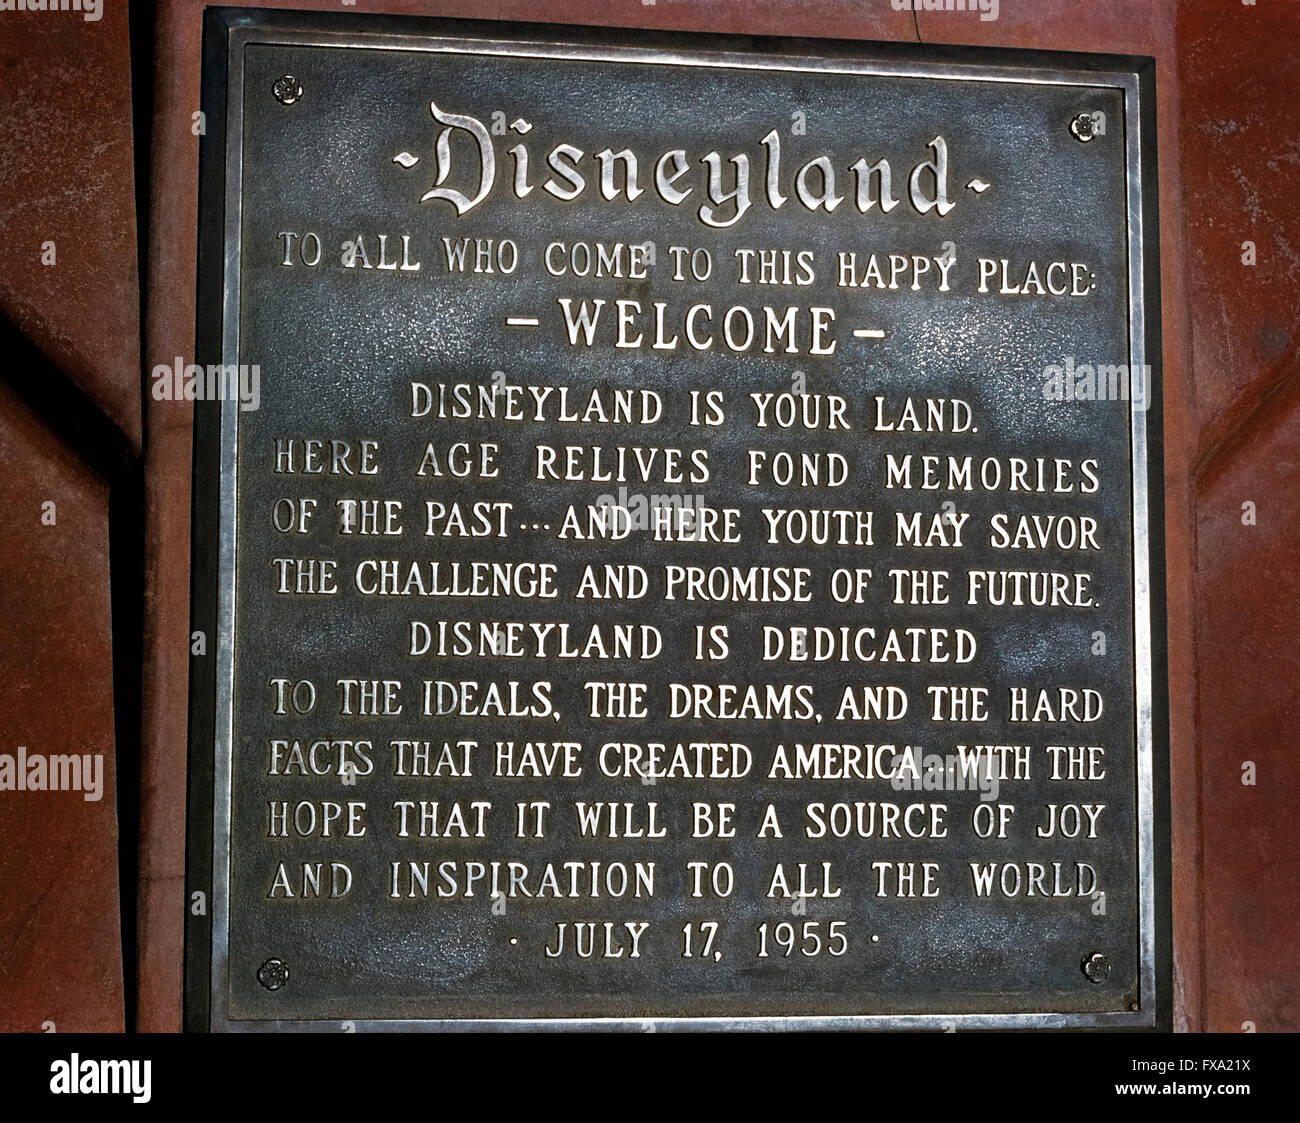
{"x":227,"y":31}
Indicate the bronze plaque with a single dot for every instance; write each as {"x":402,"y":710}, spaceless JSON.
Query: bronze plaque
{"x":674,"y":532}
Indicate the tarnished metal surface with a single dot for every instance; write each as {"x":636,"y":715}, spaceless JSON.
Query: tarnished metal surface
{"x":336,"y":133}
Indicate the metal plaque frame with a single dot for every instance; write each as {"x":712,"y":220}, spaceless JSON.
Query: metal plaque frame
{"x":227,"y":33}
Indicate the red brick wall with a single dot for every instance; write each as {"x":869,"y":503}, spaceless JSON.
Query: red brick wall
{"x":66,"y":171}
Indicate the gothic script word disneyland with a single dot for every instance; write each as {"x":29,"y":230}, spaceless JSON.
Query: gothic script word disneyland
{"x":816,"y":185}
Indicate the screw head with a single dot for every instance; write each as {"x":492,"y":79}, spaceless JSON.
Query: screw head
{"x":1096,"y":968}
{"x":1083,"y":127}
{"x":287,"y":89}
{"x":273,"y":974}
